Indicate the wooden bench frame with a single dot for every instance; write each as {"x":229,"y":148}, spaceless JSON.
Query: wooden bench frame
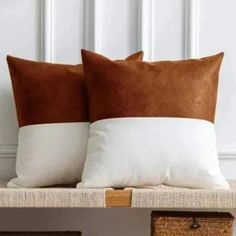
{"x":118,"y":198}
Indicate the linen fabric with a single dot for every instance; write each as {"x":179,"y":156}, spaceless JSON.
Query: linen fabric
{"x":152,"y":151}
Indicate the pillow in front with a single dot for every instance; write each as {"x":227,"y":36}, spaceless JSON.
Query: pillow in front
{"x":152,"y":123}
{"x":51,"y":104}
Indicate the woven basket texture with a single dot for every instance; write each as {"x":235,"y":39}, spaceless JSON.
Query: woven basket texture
{"x":40,"y":234}
{"x":191,"y":224}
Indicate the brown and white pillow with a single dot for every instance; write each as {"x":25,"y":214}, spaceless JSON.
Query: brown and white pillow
{"x":152,"y":123}
{"x":52,"y":111}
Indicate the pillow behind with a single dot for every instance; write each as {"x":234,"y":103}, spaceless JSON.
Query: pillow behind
{"x":52,"y":111}
{"x":152,"y":123}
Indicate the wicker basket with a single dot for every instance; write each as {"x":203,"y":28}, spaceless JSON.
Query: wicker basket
{"x":191,"y":224}
{"x":40,"y":233}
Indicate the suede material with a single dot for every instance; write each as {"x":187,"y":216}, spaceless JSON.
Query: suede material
{"x":50,"y":93}
{"x":186,"y":88}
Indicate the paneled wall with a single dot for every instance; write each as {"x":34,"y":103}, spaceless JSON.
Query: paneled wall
{"x":56,"y":30}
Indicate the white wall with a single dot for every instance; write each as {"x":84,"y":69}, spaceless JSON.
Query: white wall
{"x":56,"y":30}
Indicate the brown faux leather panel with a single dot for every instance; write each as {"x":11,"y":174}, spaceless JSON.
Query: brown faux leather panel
{"x":186,"y":88}
{"x":50,"y":93}
{"x":138,"y":56}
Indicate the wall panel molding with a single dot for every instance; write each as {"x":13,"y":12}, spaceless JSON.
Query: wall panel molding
{"x":47,"y":30}
{"x":84,"y":4}
{"x":227,"y":152}
{"x":97,"y":26}
{"x":191,"y":44}
{"x":89,"y":24}
{"x":191,"y":50}
{"x":46,"y":53}
{"x":146,"y":15}
{"x":92,"y":25}
{"x":93,"y":36}
{"x":8,"y":150}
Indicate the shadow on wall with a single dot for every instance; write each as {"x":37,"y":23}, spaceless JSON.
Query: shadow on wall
{"x":92,"y":222}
